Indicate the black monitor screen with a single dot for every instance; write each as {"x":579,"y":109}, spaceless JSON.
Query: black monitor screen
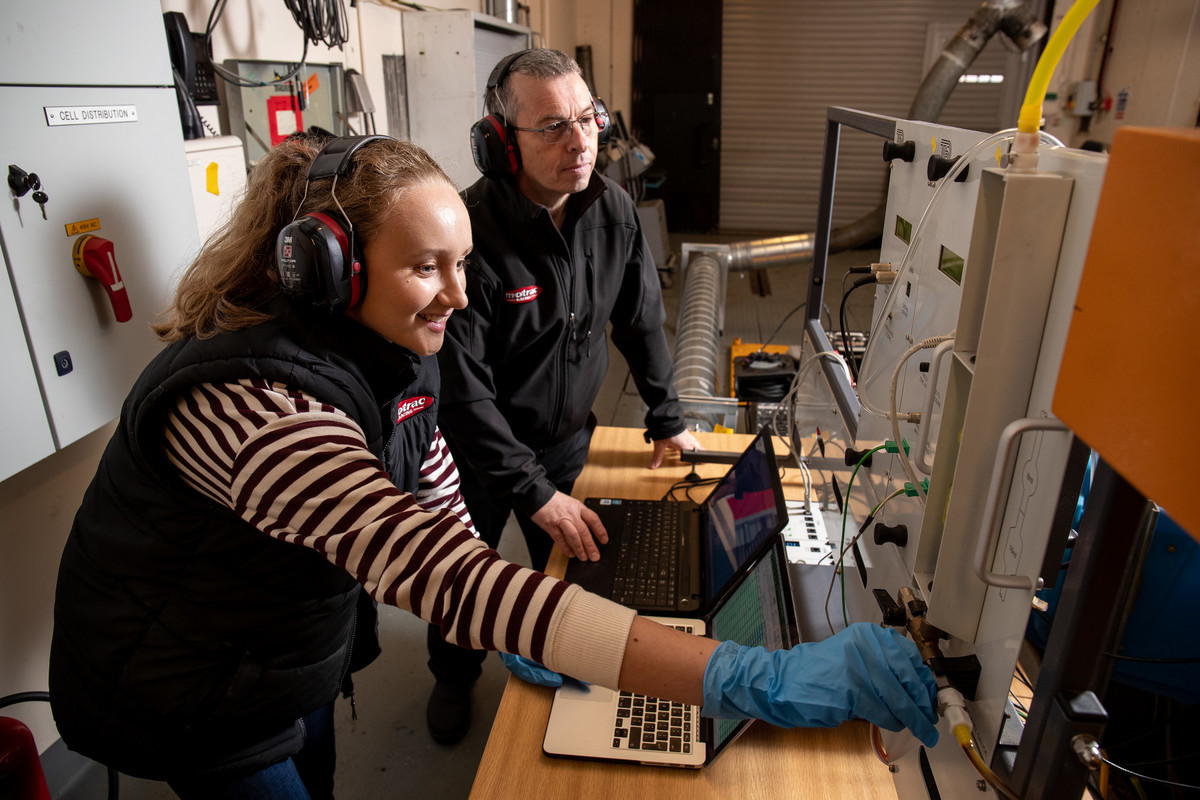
{"x":743,"y":511}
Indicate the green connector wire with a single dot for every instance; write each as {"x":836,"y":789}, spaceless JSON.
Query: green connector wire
{"x":891,"y":447}
{"x":845,"y":510}
{"x":911,"y":490}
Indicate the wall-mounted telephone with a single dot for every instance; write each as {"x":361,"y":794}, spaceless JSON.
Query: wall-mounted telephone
{"x":195,"y":79}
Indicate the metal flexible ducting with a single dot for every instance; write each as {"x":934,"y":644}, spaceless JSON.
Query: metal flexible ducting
{"x":697,"y":334}
{"x":782,"y":250}
{"x":1015,"y":18}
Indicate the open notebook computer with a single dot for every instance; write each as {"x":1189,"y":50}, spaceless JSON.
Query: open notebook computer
{"x":675,"y":557}
{"x":591,"y":722}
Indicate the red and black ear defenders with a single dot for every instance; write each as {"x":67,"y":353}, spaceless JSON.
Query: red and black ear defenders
{"x":494,"y":142}
{"x":318,"y":258}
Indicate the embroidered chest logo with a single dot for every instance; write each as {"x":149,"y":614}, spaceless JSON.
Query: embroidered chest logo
{"x":523,"y":295}
{"x":413,"y":405}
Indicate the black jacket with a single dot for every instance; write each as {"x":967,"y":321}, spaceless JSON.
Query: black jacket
{"x":523,"y":363}
{"x":186,"y":641}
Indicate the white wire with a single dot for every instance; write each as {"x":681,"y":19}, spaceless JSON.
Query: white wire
{"x":911,"y":252}
{"x":789,"y":397}
{"x":807,"y":479}
{"x":804,"y":367}
{"x":894,"y":415}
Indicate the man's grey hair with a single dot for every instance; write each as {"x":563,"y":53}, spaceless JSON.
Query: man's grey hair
{"x":540,"y":63}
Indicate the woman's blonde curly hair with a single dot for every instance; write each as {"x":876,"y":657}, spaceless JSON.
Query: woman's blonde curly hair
{"x":235,"y":273}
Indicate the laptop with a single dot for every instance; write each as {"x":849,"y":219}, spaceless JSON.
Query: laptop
{"x":591,"y":722}
{"x":675,"y":556}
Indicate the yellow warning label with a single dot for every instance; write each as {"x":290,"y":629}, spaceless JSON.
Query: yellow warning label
{"x":84,"y":226}
{"x":210,"y":178}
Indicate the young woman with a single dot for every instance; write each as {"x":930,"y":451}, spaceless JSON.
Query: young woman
{"x":265,"y":485}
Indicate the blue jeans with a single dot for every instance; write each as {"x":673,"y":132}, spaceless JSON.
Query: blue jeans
{"x":308,"y":775}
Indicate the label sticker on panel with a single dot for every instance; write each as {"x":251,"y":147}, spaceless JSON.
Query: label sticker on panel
{"x":89,"y":115}
{"x":83,"y":226}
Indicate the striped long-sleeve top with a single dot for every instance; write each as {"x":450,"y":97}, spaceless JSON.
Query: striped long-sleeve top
{"x":299,"y":470}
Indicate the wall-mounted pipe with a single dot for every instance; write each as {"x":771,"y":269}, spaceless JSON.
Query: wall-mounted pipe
{"x":798,"y":248}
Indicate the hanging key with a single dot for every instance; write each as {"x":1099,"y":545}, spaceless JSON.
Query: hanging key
{"x":41,"y":199}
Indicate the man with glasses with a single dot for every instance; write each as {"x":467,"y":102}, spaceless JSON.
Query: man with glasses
{"x":559,"y":256}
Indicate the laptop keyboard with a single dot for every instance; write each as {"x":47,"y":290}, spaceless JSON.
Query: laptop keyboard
{"x":647,"y":723}
{"x":648,"y":559}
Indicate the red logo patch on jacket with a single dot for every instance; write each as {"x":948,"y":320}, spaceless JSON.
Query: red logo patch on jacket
{"x":413,"y":405}
{"x":523,"y":295}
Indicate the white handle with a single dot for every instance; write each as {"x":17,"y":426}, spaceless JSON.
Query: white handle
{"x":997,"y":488}
{"x":927,"y":408}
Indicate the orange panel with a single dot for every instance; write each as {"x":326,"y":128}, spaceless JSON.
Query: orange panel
{"x":1129,"y":385}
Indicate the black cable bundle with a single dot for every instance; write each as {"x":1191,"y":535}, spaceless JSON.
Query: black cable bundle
{"x":763,"y":377}
{"x":321,"y":20}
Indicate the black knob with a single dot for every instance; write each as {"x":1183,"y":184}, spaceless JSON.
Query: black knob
{"x":905,"y":151}
{"x":19,"y":181}
{"x":894,"y":534}
{"x":938,"y":167}
{"x":852,"y":456}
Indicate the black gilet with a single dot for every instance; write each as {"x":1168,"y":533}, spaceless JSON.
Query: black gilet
{"x":186,"y":641}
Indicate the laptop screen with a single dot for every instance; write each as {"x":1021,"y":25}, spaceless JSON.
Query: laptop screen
{"x":756,"y":613}
{"x":742,"y":511}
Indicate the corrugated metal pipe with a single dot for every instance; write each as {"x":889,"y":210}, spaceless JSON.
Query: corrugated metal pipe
{"x":1017,"y":20}
{"x":697,"y":335}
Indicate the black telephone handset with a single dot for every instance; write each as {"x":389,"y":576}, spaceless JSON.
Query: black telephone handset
{"x":183,"y":55}
{"x":195,"y":80}
{"x":183,"y":65}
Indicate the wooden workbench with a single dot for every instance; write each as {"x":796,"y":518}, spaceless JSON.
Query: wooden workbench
{"x":766,"y":762}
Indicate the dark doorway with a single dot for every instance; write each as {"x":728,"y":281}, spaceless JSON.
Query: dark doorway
{"x":677,"y":106}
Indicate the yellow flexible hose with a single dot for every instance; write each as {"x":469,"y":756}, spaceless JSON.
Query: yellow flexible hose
{"x":963,"y":734}
{"x":1030,"y":118}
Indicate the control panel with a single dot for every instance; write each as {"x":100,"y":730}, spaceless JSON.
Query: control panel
{"x":97,"y":223}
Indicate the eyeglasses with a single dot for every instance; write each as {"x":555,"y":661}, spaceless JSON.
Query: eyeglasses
{"x":557,"y":132}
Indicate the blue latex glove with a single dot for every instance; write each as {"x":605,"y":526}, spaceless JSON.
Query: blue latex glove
{"x":531,"y":671}
{"x":864,"y":672}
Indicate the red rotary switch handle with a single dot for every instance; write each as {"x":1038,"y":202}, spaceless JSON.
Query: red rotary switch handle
{"x":94,"y":258}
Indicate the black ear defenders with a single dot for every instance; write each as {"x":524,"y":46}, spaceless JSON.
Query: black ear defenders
{"x":319,"y":259}
{"x":493,"y":140}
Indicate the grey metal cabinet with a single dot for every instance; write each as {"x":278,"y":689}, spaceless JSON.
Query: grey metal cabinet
{"x":449,"y":55}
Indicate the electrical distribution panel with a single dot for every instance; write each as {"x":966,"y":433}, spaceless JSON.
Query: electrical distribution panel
{"x":99,"y":215}
{"x":263,"y":116}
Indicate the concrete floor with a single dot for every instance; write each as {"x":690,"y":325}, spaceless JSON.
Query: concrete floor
{"x":388,"y":752}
